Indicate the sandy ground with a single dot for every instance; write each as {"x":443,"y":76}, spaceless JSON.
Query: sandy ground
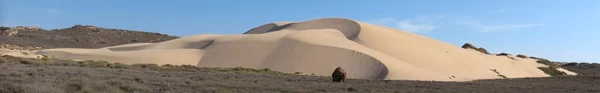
{"x":317,"y":47}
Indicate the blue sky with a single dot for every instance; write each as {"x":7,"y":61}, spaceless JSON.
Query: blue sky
{"x":561,"y":30}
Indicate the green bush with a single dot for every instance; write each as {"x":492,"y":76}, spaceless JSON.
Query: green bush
{"x":502,"y":54}
{"x":532,"y":57}
{"x":547,"y":62}
{"x":521,"y":56}
{"x":552,"y":71}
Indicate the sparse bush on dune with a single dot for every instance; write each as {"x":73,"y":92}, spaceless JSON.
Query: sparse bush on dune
{"x":552,"y":71}
{"x":521,"y":56}
{"x":468,"y":45}
{"x":471,"y":46}
{"x":552,"y":68}
{"x":483,"y":50}
{"x":547,"y":62}
{"x":498,"y":73}
{"x":503,"y":54}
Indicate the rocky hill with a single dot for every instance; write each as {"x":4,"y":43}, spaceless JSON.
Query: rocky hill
{"x":78,"y":36}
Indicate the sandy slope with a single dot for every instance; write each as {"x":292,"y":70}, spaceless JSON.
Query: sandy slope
{"x":318,"y":47}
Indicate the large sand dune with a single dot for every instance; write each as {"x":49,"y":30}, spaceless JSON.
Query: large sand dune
{"x":317,"y":47}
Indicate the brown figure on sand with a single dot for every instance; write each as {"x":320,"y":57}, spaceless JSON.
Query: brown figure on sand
{"x":339,"y":75}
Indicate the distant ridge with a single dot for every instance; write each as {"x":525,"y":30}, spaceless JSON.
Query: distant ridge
{"x":77,"y":36}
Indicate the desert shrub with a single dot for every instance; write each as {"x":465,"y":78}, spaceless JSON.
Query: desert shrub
{"x":570,"y":64}
{"x":44,"y":57}
{"x":146,"y":66}
{"x":483,"y":50}
{"x":532,"y":57}
{"x":547,"y":62}
{"x":250,"y":70}
{"x":168,"y":65}
{"x":502,"y":76}
{"x":499,"y":75}
{"x":29,"y":62}
{"x":98,"y":63}
{"x":84,"y":63}
{"x":521,"y":56}
{"x":502,"y":54}
{"x":24,"y":53}
{"x":552,"y":71}
{"x":468,"y":45}
{"x":118,"y":65}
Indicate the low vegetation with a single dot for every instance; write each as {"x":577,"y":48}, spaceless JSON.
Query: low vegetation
{"x":552,"y":71}
{"x":63,"y":76}
{"x":471,"y":46}
{"x":521,"y":56}
{"x":502,"y":54}
{"x":499,"y":75}
{"x":552,"y":68}
{"x":2,"y":60}
{"x":547,"y":62}
{"x":45,"y":57}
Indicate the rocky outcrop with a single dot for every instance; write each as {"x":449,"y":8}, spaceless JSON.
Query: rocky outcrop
{"x":87,"y":28}
{"x":7,"y":31}
{"x":480,"y":49}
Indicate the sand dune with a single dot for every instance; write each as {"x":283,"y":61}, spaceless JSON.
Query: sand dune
{"x":317,"y":47}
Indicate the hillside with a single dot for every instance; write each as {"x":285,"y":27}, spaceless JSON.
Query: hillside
{"x":317,"y":46}
{"x":78,"y":36}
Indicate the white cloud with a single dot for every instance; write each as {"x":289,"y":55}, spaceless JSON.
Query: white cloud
{"x":54,"y":12}
{"x":490,"y":28}
{"x":406,"y":25}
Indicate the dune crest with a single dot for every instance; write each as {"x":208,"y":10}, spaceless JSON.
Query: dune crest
{"x":317,"y":47}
